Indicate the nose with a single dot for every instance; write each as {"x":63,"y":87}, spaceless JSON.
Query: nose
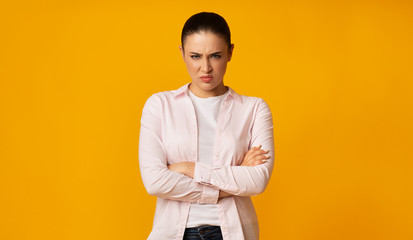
{"x":206,"y":66}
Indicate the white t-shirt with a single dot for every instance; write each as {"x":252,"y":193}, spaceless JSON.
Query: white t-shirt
{"x":206,"y":110}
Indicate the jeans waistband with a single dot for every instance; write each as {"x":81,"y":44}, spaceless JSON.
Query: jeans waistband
{"x":204,"y":230}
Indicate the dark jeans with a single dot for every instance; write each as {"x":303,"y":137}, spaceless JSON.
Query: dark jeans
{"x":203,"y":233}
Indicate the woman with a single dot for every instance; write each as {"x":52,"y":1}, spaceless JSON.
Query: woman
{"x":203,"y":148}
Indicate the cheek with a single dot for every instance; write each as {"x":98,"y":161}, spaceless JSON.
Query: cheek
{"x":220,"y":67}
{"x":192,"y":66}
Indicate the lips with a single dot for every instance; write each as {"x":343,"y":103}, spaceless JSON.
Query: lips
{"x":206,"y":78}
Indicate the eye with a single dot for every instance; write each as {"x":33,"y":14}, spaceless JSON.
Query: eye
{"x":195,"y":56}
{"x":216,"y":56}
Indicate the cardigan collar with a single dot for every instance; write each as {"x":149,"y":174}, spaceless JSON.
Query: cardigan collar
{"x":185,"y":88}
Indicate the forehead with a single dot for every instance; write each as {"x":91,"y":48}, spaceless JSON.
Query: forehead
{"x":205,"y":41}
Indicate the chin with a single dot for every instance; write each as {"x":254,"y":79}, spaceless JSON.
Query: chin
{"x":208,"y":86}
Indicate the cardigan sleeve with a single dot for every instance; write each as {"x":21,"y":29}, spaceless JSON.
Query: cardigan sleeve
{"x":244,"y":180}
{"x":157,"y":178}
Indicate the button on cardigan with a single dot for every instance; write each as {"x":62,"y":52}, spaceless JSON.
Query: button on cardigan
{"x":169,"y":135}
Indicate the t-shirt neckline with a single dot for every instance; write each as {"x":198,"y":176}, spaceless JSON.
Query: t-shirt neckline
{"x":208,"y":99}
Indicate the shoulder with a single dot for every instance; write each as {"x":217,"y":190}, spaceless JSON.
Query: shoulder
{"x":163,"y":100}
{"x":256,"y":102}
{"x":251,"y":99}
{"x":159,"y":97}
{"x":255,"y":105}
{"x":258,"y":109}
{"x":169,"y":95}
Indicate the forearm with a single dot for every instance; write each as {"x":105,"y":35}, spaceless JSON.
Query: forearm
{"x":236,"y":180}
{"x":188,"y":168}
{"x":245,"y":188}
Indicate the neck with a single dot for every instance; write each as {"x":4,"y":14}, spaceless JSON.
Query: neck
{"x":219,"y":90}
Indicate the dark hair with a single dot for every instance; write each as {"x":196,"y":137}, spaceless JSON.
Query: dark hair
{"x":206,"y":21}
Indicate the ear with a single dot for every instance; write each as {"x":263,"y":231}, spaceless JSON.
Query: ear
{"x":182,"y":52}
{"x":230,"y":51}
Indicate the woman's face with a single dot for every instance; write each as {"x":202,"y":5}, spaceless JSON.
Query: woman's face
{"x":206,"y":56}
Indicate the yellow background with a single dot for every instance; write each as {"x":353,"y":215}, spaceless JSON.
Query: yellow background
{"x":74,"y":76}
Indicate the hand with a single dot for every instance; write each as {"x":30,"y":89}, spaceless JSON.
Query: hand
{"x":187,"y":168}
{"x":255,"y":156}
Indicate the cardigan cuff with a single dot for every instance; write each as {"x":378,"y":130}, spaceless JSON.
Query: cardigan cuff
{"x":202,"y":173}
{"x":209,"y":195}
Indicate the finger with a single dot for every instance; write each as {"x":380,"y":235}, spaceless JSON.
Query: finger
{"x":252,"y":150}
{"x":257,"y":158}
{"x":259,"y":152}
{"x":254,"y":154}
{"x":266,"y":158}
{"x":261,"y":158}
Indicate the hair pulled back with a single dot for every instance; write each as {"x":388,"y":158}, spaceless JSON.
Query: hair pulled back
{"x":207,"y":22}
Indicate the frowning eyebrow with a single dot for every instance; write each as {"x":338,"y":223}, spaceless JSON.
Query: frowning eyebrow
{"x":209,"y":54}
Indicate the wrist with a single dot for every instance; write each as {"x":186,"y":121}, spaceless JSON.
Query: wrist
{"x":189,"y":169}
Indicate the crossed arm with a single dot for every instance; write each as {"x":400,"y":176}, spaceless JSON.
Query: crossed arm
{"x":195,"y":182}
{"x":253,"y":157}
